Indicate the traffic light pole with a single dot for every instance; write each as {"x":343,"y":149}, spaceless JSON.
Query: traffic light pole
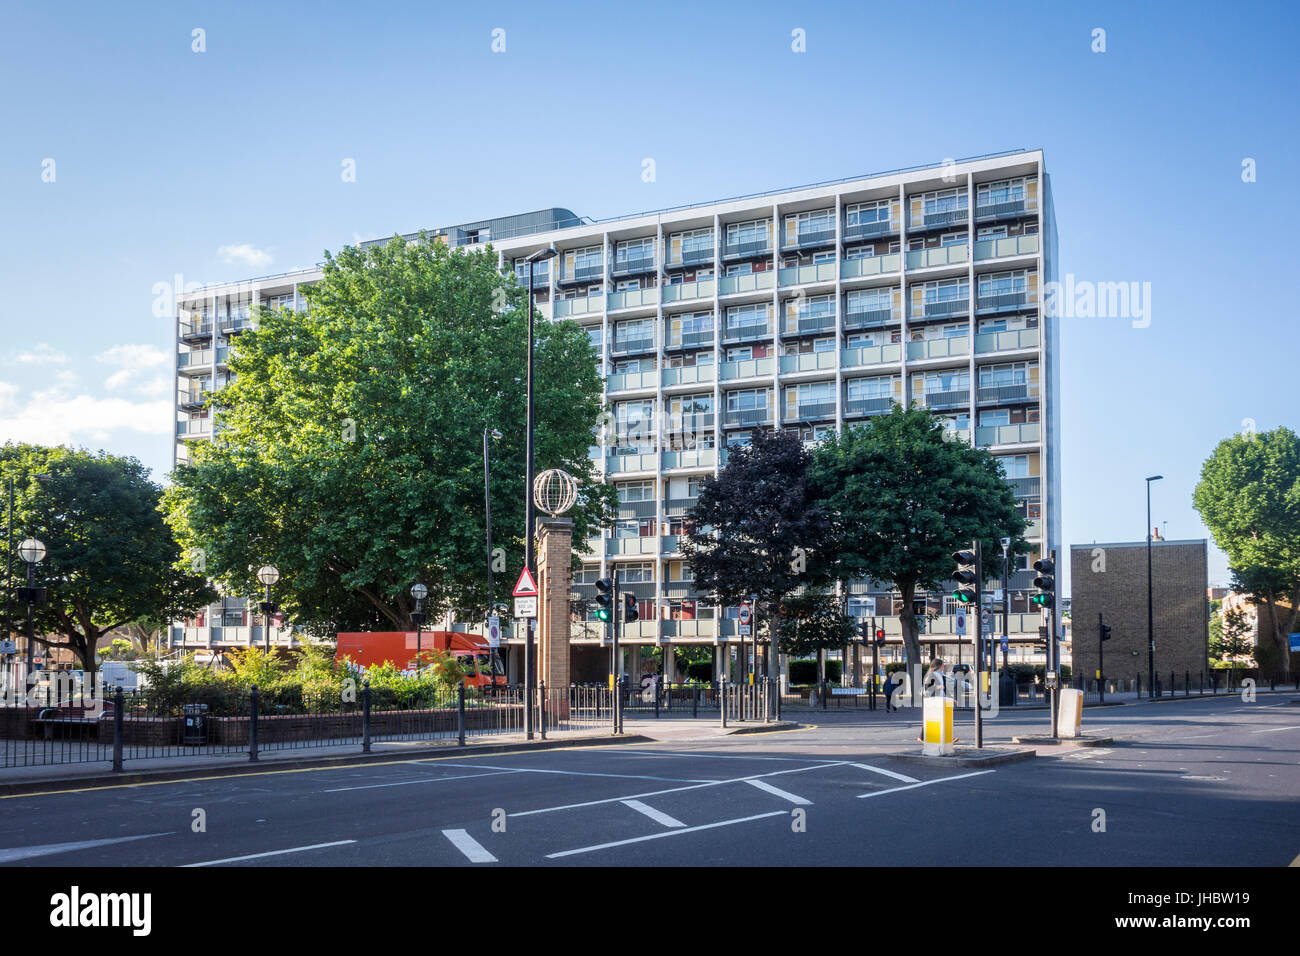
{"x":1101,"y":656}
{"x":979,"y":642}
{"x":616,"y":665}
{"x":1053,"y":651}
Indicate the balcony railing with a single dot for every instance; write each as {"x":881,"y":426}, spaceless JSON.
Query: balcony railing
{"x":1002,"y":210}
{"x":871,"y":266}
{"x":690,"y":340}
{"x":196,"y":329}
{"x":744,"y":417}
{"x":692,"y":257}
{"x":624,"y":381}
{"x":810,"y":411}
{"x":646,"y":545}
{"x":700,"y":289}
{"x":628,"y":510}
{"x":809,"y":322}
{"x":745,"y":248}
{"x":633,"y":265}
{"x":869,"y":406}
{"x":192,"y":398}
{"x":865,"y":318}
{"x":957,"y":305}
{"x":630,"y":346}
{"x":997,"y":394}
{"x":191,"y":429}
{"x":955,"y":399}
{"x":590,"y":272}
{"x":235,"y":323}
{"x":1006,"y":341}
{"x":942,"y":256}
{"x":944,"y":217}
{"x":579,"y":306}
{"x":869,"y":230}
{"x":690,"y":375}
{"x":541,"y":279}
{"x":197,"y":359}
{"x":811,"y":238}
{"x":691,"y":458}
{"x":808,"y":362}
{"x":1007,"y":434}
{"x":223,"y":354}
{"x":939,"y":348}
{"x":754,"y":282}
{"x":799,"y":275}
{"x":634,"y":462}
{"x":871,"y":355}
{"x":1000,"y":248}
{"x":678,"y":507}
{"x":1027,"y":487}
{"x":745,"y":368}
{"x":747,"y":333}
{"x":1002,"y":301}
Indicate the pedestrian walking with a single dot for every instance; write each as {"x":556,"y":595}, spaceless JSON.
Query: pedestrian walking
{"x":935,"y":681}
{"x":888,"y":689}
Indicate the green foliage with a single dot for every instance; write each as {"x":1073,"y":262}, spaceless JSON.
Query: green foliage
{"x":805,"y":672}
{"x":902,"y":498}
{"x":1249,"y":498}
{"x":350,"y":449}
{"x":110,"y":559}
{"x":813,"y":620}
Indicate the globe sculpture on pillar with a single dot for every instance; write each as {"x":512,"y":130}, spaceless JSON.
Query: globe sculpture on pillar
{"x":555,"y":492}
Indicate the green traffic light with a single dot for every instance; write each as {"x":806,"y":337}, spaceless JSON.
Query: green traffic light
{"x":964,"y":596}
{"x":602,"y":614}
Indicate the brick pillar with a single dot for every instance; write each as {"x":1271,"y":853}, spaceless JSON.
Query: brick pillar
{"x":554,"y":580}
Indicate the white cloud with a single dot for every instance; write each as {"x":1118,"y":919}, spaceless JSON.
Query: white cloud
{"x":117,"y":379}
{"x":42,"y":354}
{"x":133,"y":357}
{"x":56,"y":417}
{"x":245,"y":254}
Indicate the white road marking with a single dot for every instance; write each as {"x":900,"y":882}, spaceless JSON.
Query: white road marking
{"x":580,"y":773}
{"x":669,"y":833}
{"x":257,"y":856}
{"x":777,"y":791}
{"x":1196,"y":737}
{"x":923,"y":783}
{"x":657,"y":816}
{"x":404,"y":783}
{"x":628,"y":752}
{"x":474,"y":851}
{"x":888,"y":773}
{"x":1085,"y":754}
{"x":1273,"y":730}
{"x":45,"y":849}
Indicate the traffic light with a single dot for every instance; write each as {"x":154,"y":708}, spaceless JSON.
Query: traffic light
{"x":864,"y":631}
{"x":1046,"y":584}
{"x":880,"y":635}
{"x":604,"y":598}
{"x":1105,"y":632}
{"x":965,"y":577}
{"x":630,"y":612}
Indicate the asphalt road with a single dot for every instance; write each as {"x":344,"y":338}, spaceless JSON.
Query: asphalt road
{"x":1195,"y":783}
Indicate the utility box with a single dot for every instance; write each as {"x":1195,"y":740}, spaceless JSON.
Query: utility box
{"x":937,"y":713}
{"x":196,"y":724}
{"x":1069,"y":720}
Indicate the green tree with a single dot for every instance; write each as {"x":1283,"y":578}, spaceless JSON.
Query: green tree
{"x":110,"y":559}
{"x":813,"y":620}
{"x":1249,"y":498}
{"x":349,"y":445}
{"x":903,"y":498}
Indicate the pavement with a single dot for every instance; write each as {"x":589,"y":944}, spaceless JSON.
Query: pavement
{"x":1197,"y":783}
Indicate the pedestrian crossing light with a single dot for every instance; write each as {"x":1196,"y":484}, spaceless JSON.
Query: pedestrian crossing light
{"x":604,"y":598}
{"x":1046,"y":584}
{"x":630,"y":611}
{"x":965,"y":576}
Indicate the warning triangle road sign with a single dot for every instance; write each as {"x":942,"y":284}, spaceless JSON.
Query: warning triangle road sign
{"x":525,"y":586}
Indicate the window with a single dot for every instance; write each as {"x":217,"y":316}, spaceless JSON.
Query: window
{"x":1007,"y":190}
{"x":755,"y":231}
{"x":861,"y":252}
{"x":997,"y":376}
{"x":861,"y":388}
{"x":750,"y":319}
{"x":820,"y":257}
{"x":1015,"y":466}
{"x":634,"y":250}
{"x":946,"y":290}
{"x":871,"y":300}
{"x":944,"y":200}
{"x":866,"y":212}
{"x":1002,"y":283}
{"x":749,"y":399}
{"x":952,"y":239}
{"x":992,"y":232}
{"x":823,"y":345}
{"x":995,"y":416}
{"x":741,"y":354}
{"x":740,"y":269}
{"x":628,"y":285}
{"x":637,"y":572}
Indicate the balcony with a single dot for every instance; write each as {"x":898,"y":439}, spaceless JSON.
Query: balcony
{"x":942,"y":256}
{"x":869,"y":318}
{"x":1006,"y":341}
{"x":704,"y":628}
{"x":938,"y":308}
{"x":1026,"y":487}
{"x":692,"y":257}
{"x":808,"y":362}
{"x":632,"y":346}
{"x":746,"y":333}
{"x":634,"y":265}
{"x":633,"y":462}
{"x":1001,"y":248}
{"x":869,"y":230}
{"x":747,"y":248}
{"x":1012,"y":209}
{"x":1025,"y":433}
{"x":812,"y":238}
{"x":1034,"y":528}
{"x":578,"y":306}
{"x":541,"y":279}
{"x":939,"y":348}
{"x":633,"y":298}
{"x":810,"y":322}
{"x":692,"y":375}
{"x":754,"y":282}
{"x":700,"y":338}
{"x":235,"y":323}
{"x":868,"y":406}
{"x":871,"y":355}
{"x":747,"y":417}
{"x":691,"y":458}
{"x":628,"y":381}
{"x":202,"y":428}
{"x":193,"y":399}
{"x":586,"y":272}
{"x":801,"y":275}
{"x":670,"y":544}
{"x":700,"y":289}
{"x":871,"y":266}
{"x":196,"y":330}
{"x":955,"y":399}
{"x":1002,"y":301}
{"x":223,"y":355}
{"x":745,"y":368}
{"x":631,"y":510}
{"x":809,"y":412}
{"x":632,"y":546}
{"x":198,"y":360}
{"x":999,"y":394}
{"x":678,"y":507}
{"x":944,"y":217}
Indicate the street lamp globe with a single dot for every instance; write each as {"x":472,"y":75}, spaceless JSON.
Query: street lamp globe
{"x":419,"y":592}
{"x":268,"y":574}
{"x":32,"y":551}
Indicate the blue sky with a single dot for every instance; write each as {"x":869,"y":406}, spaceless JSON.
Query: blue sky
{"x":226,"y":164}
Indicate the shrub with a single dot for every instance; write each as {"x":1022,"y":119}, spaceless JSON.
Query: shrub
{"x":805,"y":672}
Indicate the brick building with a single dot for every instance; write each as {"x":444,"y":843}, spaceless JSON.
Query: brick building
{"x":1111,"y":578}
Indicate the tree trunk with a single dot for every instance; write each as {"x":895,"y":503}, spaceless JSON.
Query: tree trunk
{"x":911,"y":637}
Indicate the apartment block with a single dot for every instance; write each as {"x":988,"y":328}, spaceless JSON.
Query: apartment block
{"x":809,"y":310}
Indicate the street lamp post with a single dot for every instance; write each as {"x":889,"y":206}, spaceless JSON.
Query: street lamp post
{"x":419,"y":592}
{"x":541,"y":255}
{"x":1006,"y":603}
{"x":268,"y":574}
{"x":1151,"y":638}
{"x":33,"y":552}
{"x":487,"y":512}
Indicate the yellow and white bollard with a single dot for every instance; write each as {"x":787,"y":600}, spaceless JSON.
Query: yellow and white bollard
{"x":1069,"y":719}
{"x":937,"y":713}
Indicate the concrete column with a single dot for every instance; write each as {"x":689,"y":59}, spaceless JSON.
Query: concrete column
{"x":634,"y":664}
{"x":555,"y":582}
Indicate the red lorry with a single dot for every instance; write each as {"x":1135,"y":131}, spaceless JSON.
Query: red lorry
{"x":365,"y":650}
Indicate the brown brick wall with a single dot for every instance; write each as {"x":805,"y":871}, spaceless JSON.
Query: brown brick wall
{"x":1179,"y":571}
